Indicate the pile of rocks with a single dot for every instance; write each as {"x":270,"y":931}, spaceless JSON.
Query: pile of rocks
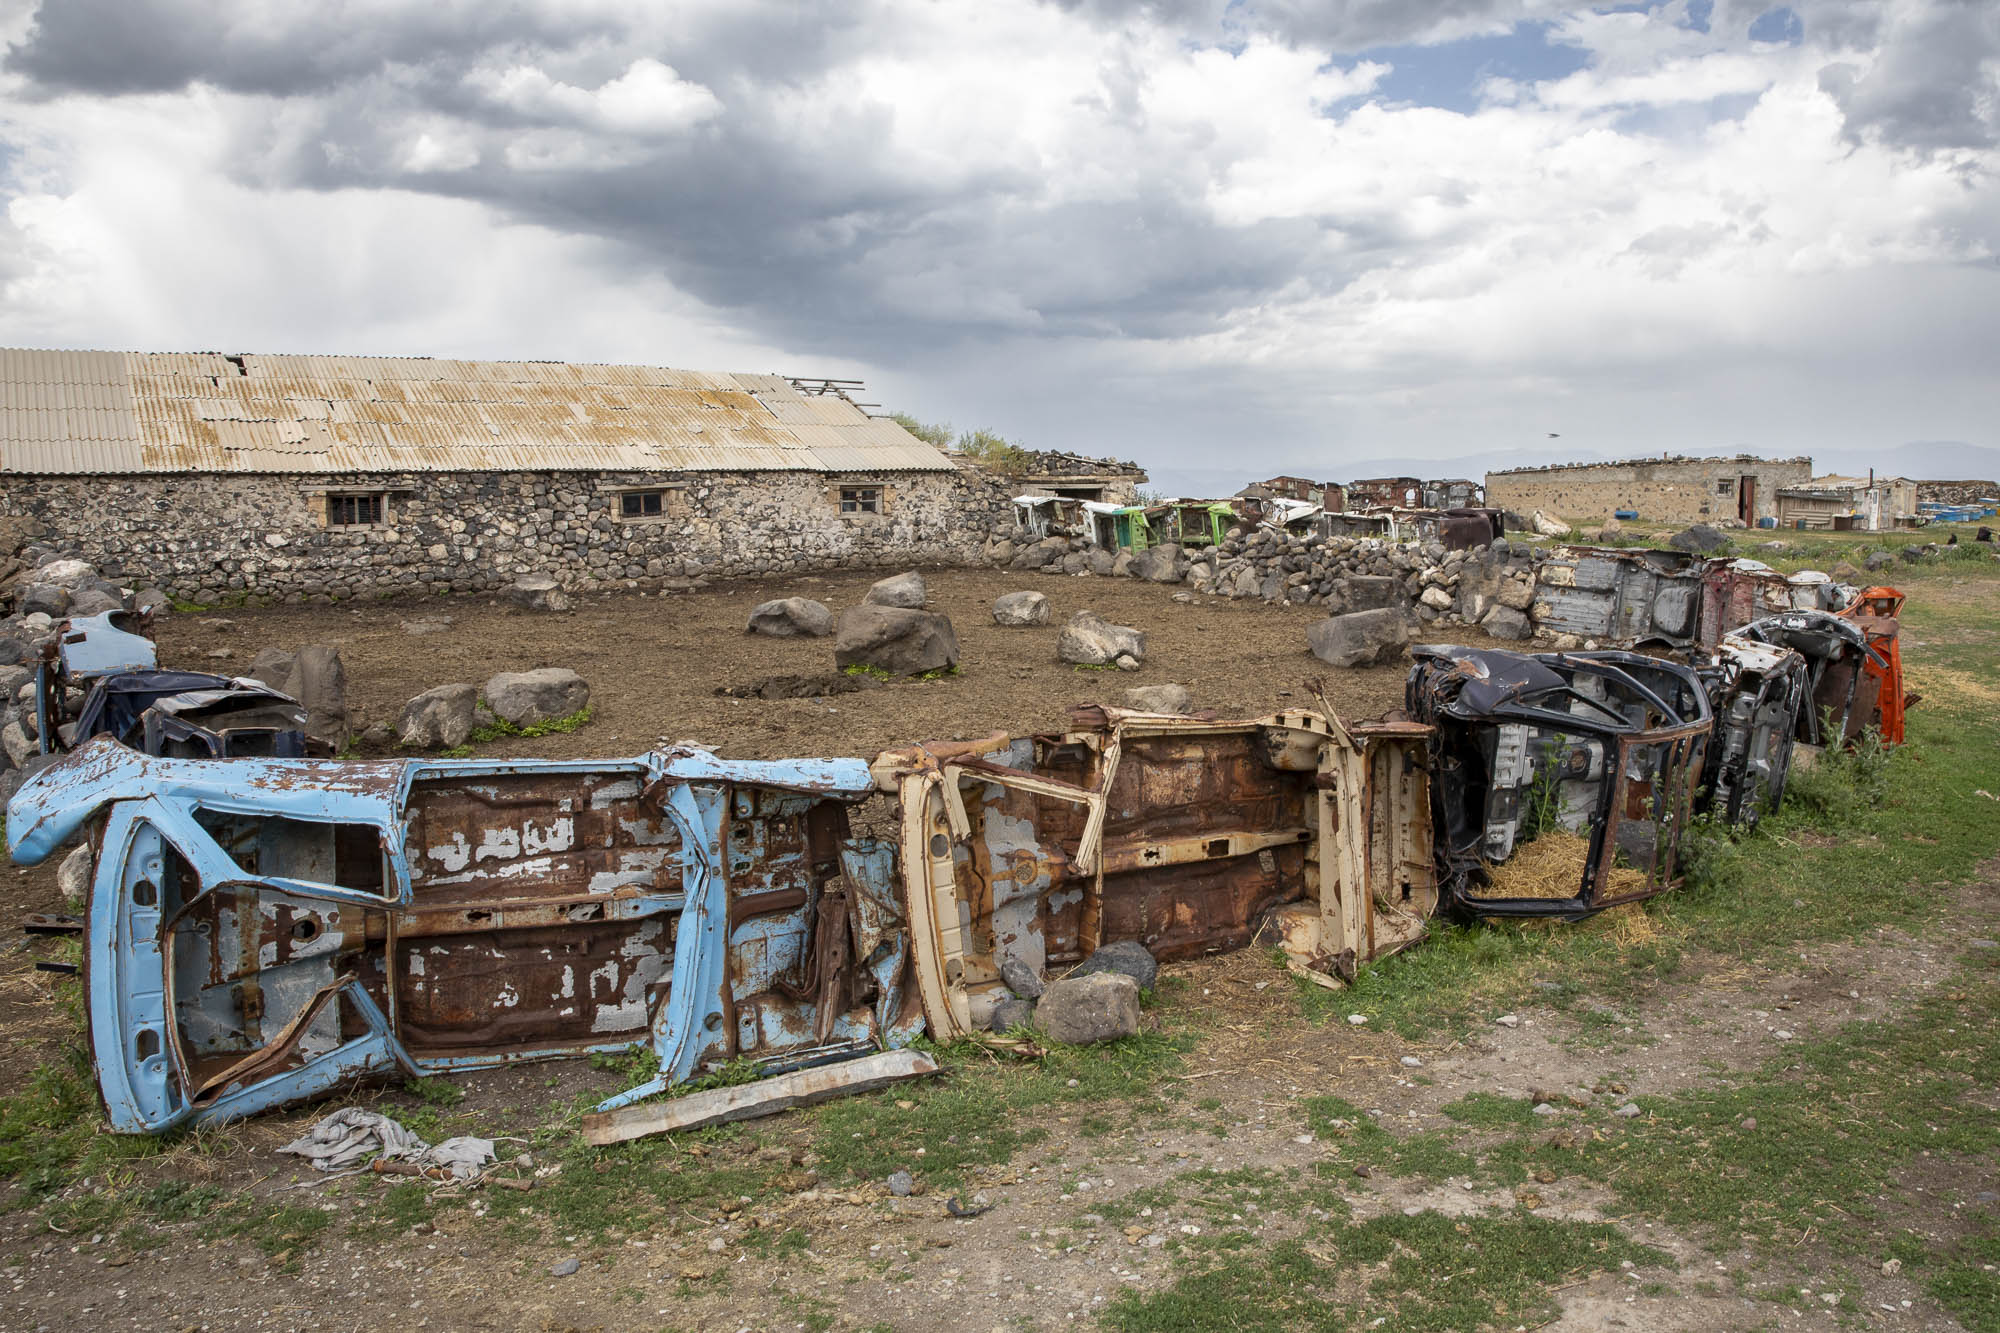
{"x":445,"y":716}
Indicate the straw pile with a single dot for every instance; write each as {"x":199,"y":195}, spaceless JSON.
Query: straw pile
{"x":1551,"y":866}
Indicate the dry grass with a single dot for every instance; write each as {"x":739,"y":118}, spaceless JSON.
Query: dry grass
{"x":1551,"y":866}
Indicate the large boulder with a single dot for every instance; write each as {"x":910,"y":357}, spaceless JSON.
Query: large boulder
{"x":1159,"y":699}
{"x":1020,"y":608}
{"x":1010,"y":1014}
{"x":1128,"y":957}
{"x":1506,"y":623}
{"x":525,"y":698}
{"x":14,"y":739}
{"x":1158,"y":564}
{"x":1548,"y":526}
{"x":1701,"y":539}
{"x":1102,"y":1006}
{"x":1369,"y":592}
{"x":538,"y":593}
{"x":1022,"y":979}
{"x":319,"y":681}
{"x":904,"y":590}
{"x":1121,"y":564}
{"x":48,"y":598}
{"x":71,"y":574}
{"x":93,"y":601}
{"x":895,"y":639}
{"x":272,"y":666}
{"x":791,"y":618}
{"x":73,"y":876}
{"x":1359,"y":638}
{"x":440,"y":718}
{"x":1091,"y":640}
{"x":1047,"y":551}
{"x":1099,"y":561}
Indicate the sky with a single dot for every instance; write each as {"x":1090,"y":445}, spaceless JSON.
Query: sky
{"x":1227,"y":236}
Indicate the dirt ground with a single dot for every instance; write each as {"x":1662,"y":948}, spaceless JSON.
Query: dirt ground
{"x":655,"y":662}
{"x":1045,"y":1256}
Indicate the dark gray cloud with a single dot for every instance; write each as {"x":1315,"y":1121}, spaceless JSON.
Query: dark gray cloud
{"x":1933,"y":81}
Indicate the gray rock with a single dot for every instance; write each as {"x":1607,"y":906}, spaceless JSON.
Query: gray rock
{"x":1103,"y":1006}
{"x":1700,"y":539}
{"x":1020,"y":608}
{"x":1021,"y":979}
{"x":69,"y":574}
{"x":1369,"y":593}
{"x":1359,"y":638}
{"x":524,"y":698}
{"x":1047,"y":551}
{"x":1516,"y":595}
{"x":152,"y":599}
{"x":1878,"y":561}
{"x":895,"y":639}
{"x":273,"y":666}
{"x":1158,"y":564}
{"x":1126,"y":957}
{"x":378,"y":735}
{"x":1091,"y":640}
{"x":791,"y":618}
{"x":1159,"y":699}
{"x":17,"y":530}
{"x":1076,"y":562}
{"x":94,"y":601}
{"x":16,"y":650}
{"x":15,"y":740}
{"x":1100,"y":561}
{"x":1121,"y":564}
{"x":73,"y":876}
{"x":537,"y":593}
{"x":564,"y":1267}
{"x":904,"y":590}
{"x":1503,"y":623}
{"x":1010,"y":1014}
{"x":12,"y":678}
{"x":439,"y":718}
{"x":900,"y":1184}
{"x":319,"y":681}
{"x":1628,"y":1110}
{"x":46,"y":598}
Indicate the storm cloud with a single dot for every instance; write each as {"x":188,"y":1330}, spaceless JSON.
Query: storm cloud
{"x":1119,"y":198}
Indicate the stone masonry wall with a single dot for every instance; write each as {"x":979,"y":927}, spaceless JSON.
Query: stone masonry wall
{"x":1671,"y":491}
{"x":205,"y":537}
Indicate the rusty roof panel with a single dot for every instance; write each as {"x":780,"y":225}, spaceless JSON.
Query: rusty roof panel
{"x":92,"y":412}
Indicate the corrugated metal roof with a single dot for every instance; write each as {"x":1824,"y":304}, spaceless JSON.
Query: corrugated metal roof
{"x":106,"y":412}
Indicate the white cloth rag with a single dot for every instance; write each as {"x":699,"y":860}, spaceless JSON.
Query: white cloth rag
{"x":351,"y":1135}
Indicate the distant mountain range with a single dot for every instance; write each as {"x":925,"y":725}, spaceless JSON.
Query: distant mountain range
{"x":1922,"y":460}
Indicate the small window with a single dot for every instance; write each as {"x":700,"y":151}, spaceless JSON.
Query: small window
{"x":1725,"y":487}
{"x":860,"y":499}
{"x":642,"y":504}
{"x":349,"y":511}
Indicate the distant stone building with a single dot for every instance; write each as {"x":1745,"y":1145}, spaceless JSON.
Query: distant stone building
{"x":325,"y":478}
{"x":1672,"y":490}
{"x":1846,"y":503}
{"x":1328,"y":495}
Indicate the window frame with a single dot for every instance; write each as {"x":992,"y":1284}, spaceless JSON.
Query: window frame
{"x":657,"y":496}
{"x":356,"y":502}
{"x":849,"y":501}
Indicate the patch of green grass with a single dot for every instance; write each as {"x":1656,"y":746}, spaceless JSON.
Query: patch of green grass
{"x":983,"y":1110}
{"x":434,"y":1091}
{"x":285,"y":1229}
{"x":864,"y":669}
{"x":1423,"y":1274}
{"x":940,"y":673}
{"x":393,"y":1212}
{"x":496,"y":728}
{"x":1486,"y":1110}
{"x":1836,"y":1119}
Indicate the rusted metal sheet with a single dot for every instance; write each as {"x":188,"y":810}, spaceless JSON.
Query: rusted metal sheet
{"x":261,"y":931}
{"x":1597,"y":753}
{"x":1755,"y":691}
{"x":1184,"y":834}
{"x":1631,"y":597}
{"x":104,"y":412}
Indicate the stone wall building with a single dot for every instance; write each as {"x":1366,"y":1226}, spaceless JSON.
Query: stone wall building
{"x":1741,"y":489}
{"x":325,"y":478}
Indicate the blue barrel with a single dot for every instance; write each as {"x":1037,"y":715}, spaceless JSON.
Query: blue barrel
{"x":1622,"y":514}
{"x":1767,"y":522}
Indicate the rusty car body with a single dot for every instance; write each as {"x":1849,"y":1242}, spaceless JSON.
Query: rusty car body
{"x":1185,"y":834}
{"x":1756,"y":692}
{"x":1653,"y":599}
{"x":1844,"y":673}
{"x":262,"y":931}
{"x":1605,"y":747}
